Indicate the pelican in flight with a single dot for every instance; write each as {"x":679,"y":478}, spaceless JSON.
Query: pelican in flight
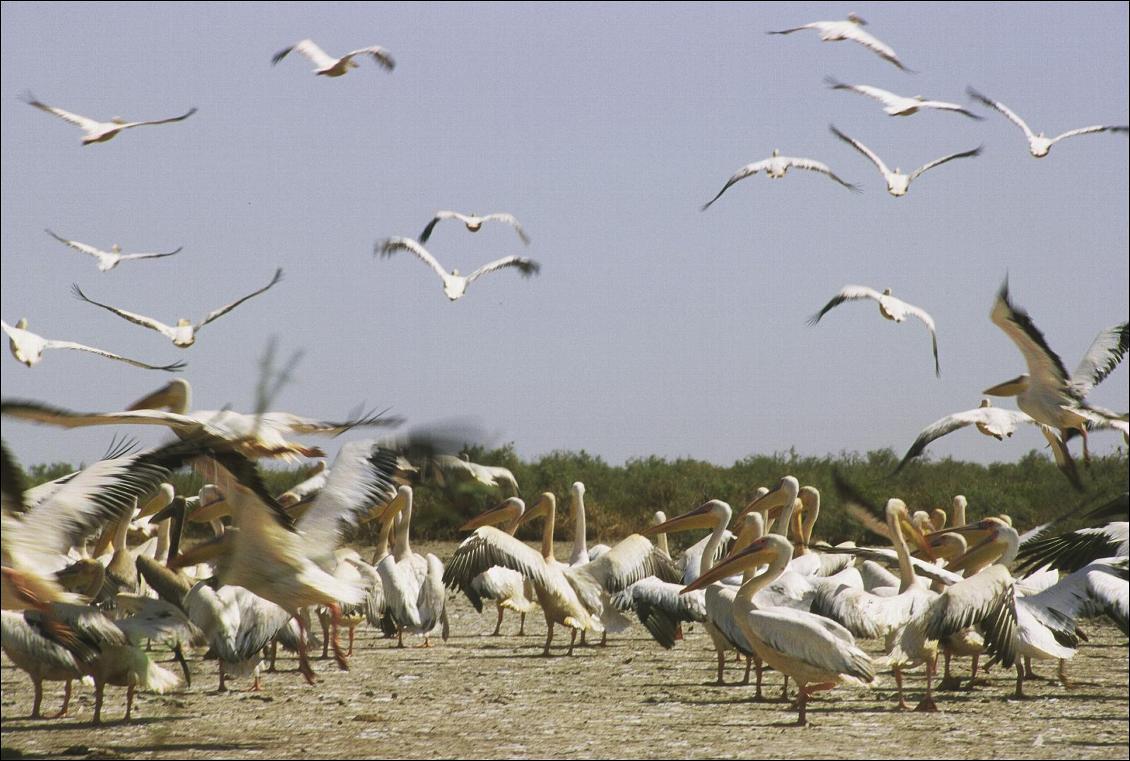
{"x":184,"y":333}
{"x":28,"y":348}
{"x":775,"y":167}
{"x":107,"y":260}
{"x":991,"y":421}
{"x":890,"y":307}
{"x":454,"y":284}
{"x":1039,"y":145}
{"x":897,"y":182}
{"x":327,"y":65}
{"x":474,"y":223}
{"x":1046,"y":391}
{"x":98,"y":132}
{"x":262,"y":435}
{"x":900,"y":105}
{"x":851,"y":29}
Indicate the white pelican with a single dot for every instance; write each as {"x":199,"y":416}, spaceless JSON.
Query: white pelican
{"x":28,"y":347}
{"x":183,"y":334}
{"x":27,"y":641}
{"x":889,"y":307}
{"x":415,"y":602}
{"x":1039,"y":145}
{"x":107,"y":260}
{"x":456,"y":475}
{"x":851,"y":29}
{"x":816,"y":652}
{"x":328,"y":66}
{"x":775,"y":167}
{"x":98,"y":132}
{"x":897,"y":182}
{"x":1046,"y":391}
{"x":1075,"y":549}
{"x":899,"y":105}
{"x":508,"y":588}
{"x":454,"y":284}
{"x":262,"y":435}
{"x":991,"y":421}
{"x":581,"y":553}
{"x":474,"y":223}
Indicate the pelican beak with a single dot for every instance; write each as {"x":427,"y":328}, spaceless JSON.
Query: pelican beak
{"x":158,"y":501}
{"x":1009,"y":387}
{"x":203,"y":552}
{"x":978,"y":530}
{"x":774,"y":498}
{"x":540,"y":509}
{"x":210,"y":511}
{"x":918,"y":538}
{"x":701,"y":517}
{"x":168,"y":511}
{"x":750,"y":557}
{"x":495,"y":515}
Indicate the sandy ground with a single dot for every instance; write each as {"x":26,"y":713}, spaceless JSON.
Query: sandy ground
{"x":478,"y":696}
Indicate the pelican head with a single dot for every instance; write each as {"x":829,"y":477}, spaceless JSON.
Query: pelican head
{"x":856,"y":19}
{"x":1013,"y":387}
{"x":175,"y":396}
{"x":508,"y":509}
{"x":115,"y":249}
{"x":545,"y":505}
{"x":1039,"y":145}
{"x":707,"y":515}
{"x":755,"y":554}
{"x":782,"y":495}
{"x":118,"y":120}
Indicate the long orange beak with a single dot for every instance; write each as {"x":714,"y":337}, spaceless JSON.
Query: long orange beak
{"x":504,"y":511}
{"x":701,"y":517}
{"x":751,"y":557}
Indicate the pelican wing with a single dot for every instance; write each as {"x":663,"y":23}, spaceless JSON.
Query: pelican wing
{"x":1075,"y":549}
{"x":816,"y":166}
{"x":156,"y":619}
{"x":1104,"y":354}
{"x":885,"y":97}
{"x":865,"y":614}
{"x":1004,"y":422}
{"x":1044,"y":365}
{"x":885,"y":51}
{"x":813,"y":640}
{"x":488,"y":547}
{"x":89,"y":125}
{"x":746,"y":171}
{"x":379,"y":54}
{"x":180,"y":118}
{"x":149,"y":255}
{"x":43,"y":413}
{"x":217,"y":313}
{"x":847,"y":293}
{"x":218,"y":617}
{"x":83,"y":247}
{"x":1107,"y":584}
{"x":309,"y":49}
{"x":1062,"y":457}
{"x":1088,"y":130}
{"x":629,"y":561}
{"x":526,"y":266}
{"x":814,"y":25}
{"x":942,"y":105}
{"x":721,"y":615}
{"x":172,"y":368}
{"x":392,"y":245}
{"x":937,"y":162}
{"x":966,"y":603}
{"x":921,"y":314}
{"x":285,"y":421}
{"x":1012,"y":117}
{"x":862,"y":149}
{"x":510,"y":220}
{"x":136,"y":319}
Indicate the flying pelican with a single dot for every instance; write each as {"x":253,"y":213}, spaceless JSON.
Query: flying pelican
{"x":454,"y":284}
{"x":107,"y":260}
{"x":326,"y":65}
{"x":456,"y":475}
{"x":474,"y":223}
{"x":991,"y":421}
{"x":897,"y":182}
{"x":262,"y":435}
{"x":184,"y":333}
{"x":1046,"y":391}
{"x":890,"y":307}
{"x":98,"y":132}
{"x":28,"y":347}
{"x":816,"y":652}
{"x":899,"y":105}
{"x":851,"y":29}
{"x":1039,"y":145}
{"x":776,"y":167}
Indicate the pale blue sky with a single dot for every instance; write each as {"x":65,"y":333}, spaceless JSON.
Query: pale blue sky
{"x":653,"y":328}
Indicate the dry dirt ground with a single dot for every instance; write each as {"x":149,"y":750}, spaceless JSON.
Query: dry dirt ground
{"x":477,"y":696}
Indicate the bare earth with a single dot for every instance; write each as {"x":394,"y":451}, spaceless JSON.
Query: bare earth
{"x":478,"y":696}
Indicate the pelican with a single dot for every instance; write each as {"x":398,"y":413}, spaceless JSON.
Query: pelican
{"x":899,"y":105}
{"x":415,"y":601}
{"x":816,"y":652}
{"x":1046,"y":391}
{"x":183,"y":334}
{"x":98,"y":132}
{"x":505,"y":586}
{"x":776,"y":167}
{"x":30,"y":646}
{"x":581,"y":553}
{"x":851,"y":29}
{"x":1039,"y":145}
{"x":897,"y":182}
{"x":328,"y":66}
{"x":889,"y":307}
{"x":991,"y":421}
{"x":474,"y":223}
{"x":454,"y":284}
{"x":262,"y":435}
{"x":456,"y":475}
{"x":28,"y":347}
{"x":107,"y":260}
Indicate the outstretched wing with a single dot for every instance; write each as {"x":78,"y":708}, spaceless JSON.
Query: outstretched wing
{"x":885,"y":51}
{"x":86,"y":124}
{"x":1103,"y":355}
{"x":1088,"y":130}
{"x":921,"y":314}
{"x":1044,"y":365}
{"x":937,"y":162}
{"x":136,"y":319}
{"x":997,"y":105}
{"x":392,"y":245}
{"x":180,"y":118}
{"x":147,"y":255}
{"x":510,"y":220}
{"x":741,"y":174}
{"x":526,"y":266}
{"x":885,"y":97}
{"x":307,"y":48}
{"x":217,"y":313}
{"x":83,"y":247}
{"x":862,"y":149}
{"x":816,"y":166}
{"x":847,"y":293}
{"x":173,"y":368}
{"x":379,"y":54}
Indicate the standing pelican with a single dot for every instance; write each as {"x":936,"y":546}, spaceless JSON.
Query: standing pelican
{"x":28,"y":347}
{"x":851,"y":29}
{"x":474,"y":223}
{"x":505,"y":586}
{"x":327,"y":66}
{"x":107,"y":260}
{"x":897,"y":182}
{"x":454,"y":284}
{"x":889,"y":307}
{"x":98,"y":132}
{"x":776,"y":167}
{"x":183,"y":334}
{"x":1039,"y":145}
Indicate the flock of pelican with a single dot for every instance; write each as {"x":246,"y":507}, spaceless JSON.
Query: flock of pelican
{"x":80,"y":599}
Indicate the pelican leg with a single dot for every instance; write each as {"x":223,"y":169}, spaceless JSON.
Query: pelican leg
{"x":785,"y":690}
{"x":129,"y":701}
{"x":949,"y":681}
{"x":719,"y":681}
{"x":902,"y":706}
{"x":973,"y":680}
{"x":603,"y":639}
{"x":573,"y":640}
{"x":1028,"y":672}
{"x":274,"y":652}
{"x":584,"y":642}
{"x":303,"y":659}
{"x":349,"y":651}
{"x":178,"y":656}
{"x":66,"y":701}
{"x":927,"y":703}
{"x":335,"y":624}
{"x":399,"y":636}
{"x":1019,"y":694}
{"x":255,"y":687}
{"x":99,"y":689}
{"x":521,"y":627}
{"x":548,"y":638}
{"x":323,"y":619}
{"x":38,"y":697}
{"x":760,"y":672}
{"x":1062,"y":674}
{"x":1086,"y":449}
{"x":748,"y":664}
{"x":223,"y":687}
{"x":498,"y":624}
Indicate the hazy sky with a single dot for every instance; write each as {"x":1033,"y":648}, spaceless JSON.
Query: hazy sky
{"x":653,"y":328}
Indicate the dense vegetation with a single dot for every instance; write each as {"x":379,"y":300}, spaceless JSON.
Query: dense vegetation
{"x":621,"y":498}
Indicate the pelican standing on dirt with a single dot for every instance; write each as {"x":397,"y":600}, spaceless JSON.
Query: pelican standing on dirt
{"x":508,"y":588}
{"x":107,"y":260}
{"x":28,"y":347}
{"x":776,"y":167}
{"x":851,"y":29}
{"x":327,"y":66}
{"x":897,"y":182}
{"x":99,"y":132}
{"x":454,"y":284}
{"x":1039,"y":145}
{"x":891,"y":308}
